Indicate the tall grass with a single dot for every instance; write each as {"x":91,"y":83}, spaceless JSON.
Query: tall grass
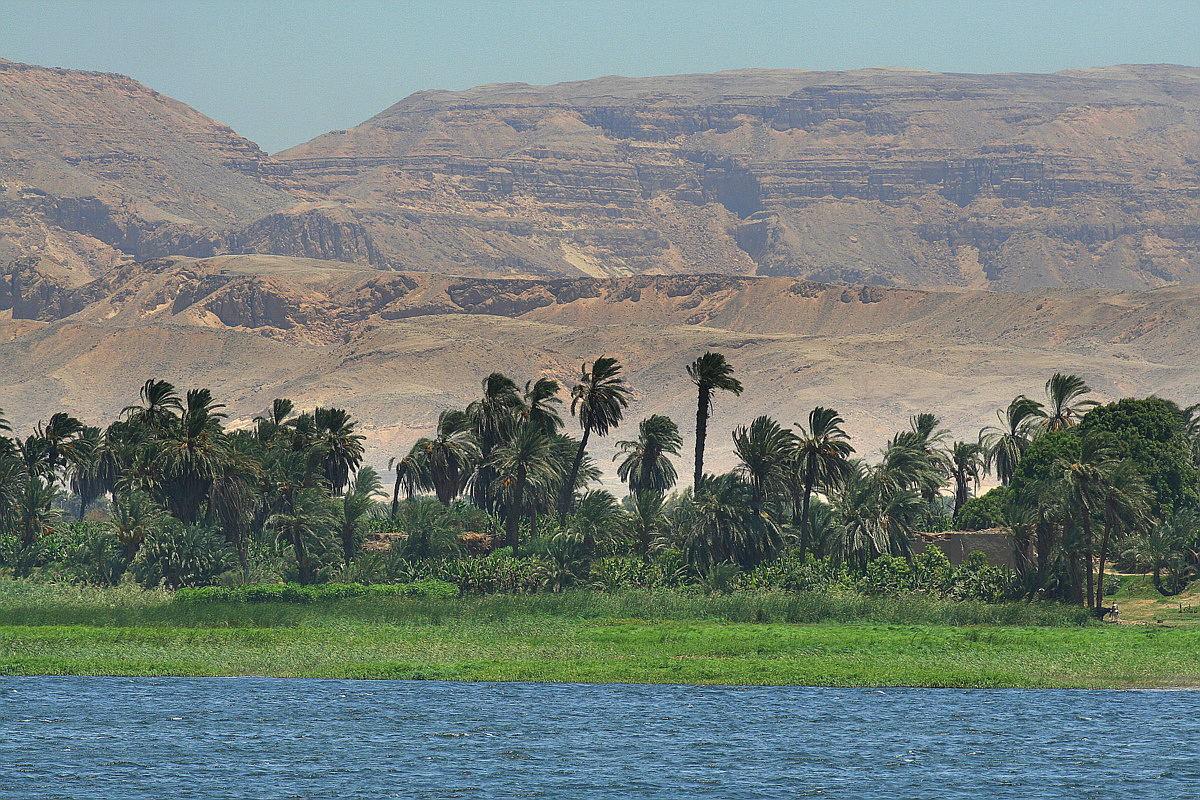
{"x":24,"y":603}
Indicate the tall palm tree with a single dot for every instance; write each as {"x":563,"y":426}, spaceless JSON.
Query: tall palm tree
{"x":189,"y":453}
{"x":448,"y":458}
{"x":820,"y":460}
{"x":61,"y":434}
{"x":343,"y":447}
{"x":90,"y":471}
{"x":495,"y":418}
{"x":763,"y":450}
{"x":966,"y":462}
{"x":599,"y":400}
{"x":526,"y":460}
{"x":1003,"y":445}
{"x":234,"y":495}
{"x":646,"y":465}
{"x":1083,"y":477}
{"x":1065,"y":407}
{"x":541,"y":397}
{"x":711,"y":373}
{"x":411,"y":475}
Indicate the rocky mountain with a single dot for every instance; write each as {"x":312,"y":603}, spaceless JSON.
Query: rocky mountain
{"x":97,"y":170}
{"x":397,"y":348}
{"x":880,"y":177}
{"x":886,"y":177}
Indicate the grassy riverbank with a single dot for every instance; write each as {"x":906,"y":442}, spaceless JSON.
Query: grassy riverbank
{"x":589,"y":637}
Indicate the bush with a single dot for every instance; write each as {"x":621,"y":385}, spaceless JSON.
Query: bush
{"x":428,"y":589}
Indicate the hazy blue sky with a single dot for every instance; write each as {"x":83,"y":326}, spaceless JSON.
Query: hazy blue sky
{"x":284,"y":72}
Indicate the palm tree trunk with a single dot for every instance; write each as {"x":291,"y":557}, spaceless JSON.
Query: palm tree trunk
{"x":568,"y":489}
{"x":396,"y":496}
{"x":1108,"y":525}
{"x":805,"y":516}
{"x":702,"y":403}
{"x":514,"y":512}
{"x":1087,"y":557}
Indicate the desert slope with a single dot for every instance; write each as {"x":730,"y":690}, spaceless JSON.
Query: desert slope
{"x":396,"y":348}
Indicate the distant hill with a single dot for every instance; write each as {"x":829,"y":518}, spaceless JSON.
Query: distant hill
{"x":397,"y":348}
{"x":1085,"y":178}
{"x":890,"y":177}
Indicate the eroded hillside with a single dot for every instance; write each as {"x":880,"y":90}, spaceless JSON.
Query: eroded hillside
{"x":397,"y":348}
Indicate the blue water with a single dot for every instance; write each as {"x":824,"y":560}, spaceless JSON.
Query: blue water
{"x":261,"y":737}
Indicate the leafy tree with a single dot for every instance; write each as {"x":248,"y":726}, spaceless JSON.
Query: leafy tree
{"x":966,"y":463}
{"x":525,"y":461}
{"x":711,"y":373}
{"x":599,"y":400}
{"x":1065,"y":409}
{"x":355,"y":505}
{"x":764,"y":451}
{"x":821,"y":462}
{"x":444,"y":462}
{"x":495,"y":418}
{"x":1125,"y":498}
{"x":876,"y":509}
{"x":541,"y":397}
{"x":1004,"y":445}
{"x":646,"y":464}
{"x":646,"y":520}
{"x":343,"y":448}
{"x":718,"y":525}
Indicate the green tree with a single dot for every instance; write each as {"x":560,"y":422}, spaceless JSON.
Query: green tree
{"x":525,"y":461}
{"x":1065,"y":409}
{"x":1004,"y":445}
{"x":711,"y":373}
{"x":355,"y":505}
{"x":599,"y":400}
{"x":646,"y":464}
{"x":966,"y":463}
{"x":821,"y":462}
{"x":764,"y":451}
{"x":343,"y":447}
{"x":718,"y":525}
{"x":646,"y":520}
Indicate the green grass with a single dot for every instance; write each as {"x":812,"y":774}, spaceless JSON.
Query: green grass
{"x":586,"y":637}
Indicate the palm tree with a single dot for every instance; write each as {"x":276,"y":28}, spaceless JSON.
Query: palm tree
{"x":710,"y":372}
{"x":495,"y":418}
{"x":447,"y":459}
{"x":343,"y":447}
{"x":160,"y":404}
{"x":355,"y":504}
{"x":820,"y":460}
{"x":1126,"y":499}
{"x":599,"y":400}
{"x":267,"y":428}
{"x":1066,"y":409}
{"x":61,"y":435}
{"x":411,"y":474}
{"x":1004,"y":444}
{"x":966,"y":461}
{"x":719,"y":525}
{"x":189,"y":453}
{"x":646,"y":465}
{"x":1083,"y":479}
{"x":876,"y":513}
{"x":526,"y":460}
{"x":764,"y":450}
{"x":90,"y":471}
{"x":541,"y":397}
{"x":645,"y":520}
{"x":234,"y":496}
{"x":304,"y":523}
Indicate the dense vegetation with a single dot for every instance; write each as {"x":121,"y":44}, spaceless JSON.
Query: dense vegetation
{"x":497,"y":498}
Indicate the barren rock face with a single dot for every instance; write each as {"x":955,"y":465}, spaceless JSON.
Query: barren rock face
{"x":1083,"y":178}
{"x":876,"y":177}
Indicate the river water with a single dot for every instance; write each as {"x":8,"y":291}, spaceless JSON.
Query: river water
{"x":261,"y":737}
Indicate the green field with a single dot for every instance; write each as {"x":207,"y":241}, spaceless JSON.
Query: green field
{"x":588,"y":637}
